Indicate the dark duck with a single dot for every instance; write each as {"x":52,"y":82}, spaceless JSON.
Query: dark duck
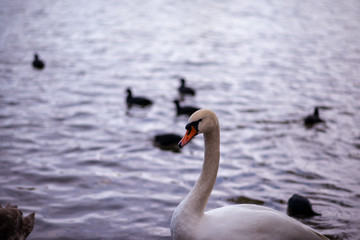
{"x":183,"y":90}
{"x":299,"y":206}
{"x":139,"y":101}
{"x":37,"y":62}
{"x":313,"y":119}
{"x":168,"y":141}
{"x":185,"y":110}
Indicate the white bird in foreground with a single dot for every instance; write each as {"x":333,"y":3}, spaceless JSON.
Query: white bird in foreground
{"x":240,"y":222}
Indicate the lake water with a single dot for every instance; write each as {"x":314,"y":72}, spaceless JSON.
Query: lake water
{"x":72,"y":153}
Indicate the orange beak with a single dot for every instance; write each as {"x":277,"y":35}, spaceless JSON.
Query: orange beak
{"x":188,"y":136}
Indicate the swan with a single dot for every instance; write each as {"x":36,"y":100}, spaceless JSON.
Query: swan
{"x":140,"y":101}
{"x":37,"y":63}
{"x":243,"y":221}
{"x":13,"y":225}
{"x":314,"y":118}
{"x":300,"y":206}
{"x":185,"y":90}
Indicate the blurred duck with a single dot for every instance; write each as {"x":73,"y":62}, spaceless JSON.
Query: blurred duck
{"x":37,"y":63}
{"x":183,"y":90}
{"x":313,"y":119}
{"x":167,"y":141}
{"x":299,"y":206}
{"x":139,"y":101}
{"x":186,"y":110}
{"x":13,"y":226}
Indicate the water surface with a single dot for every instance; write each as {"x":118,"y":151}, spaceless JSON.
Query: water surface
{"x":72,"y":153}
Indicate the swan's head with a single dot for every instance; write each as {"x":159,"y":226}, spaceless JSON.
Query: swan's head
{"x":201,"y":121}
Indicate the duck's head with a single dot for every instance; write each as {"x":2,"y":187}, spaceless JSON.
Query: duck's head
{"x":201,"y":121}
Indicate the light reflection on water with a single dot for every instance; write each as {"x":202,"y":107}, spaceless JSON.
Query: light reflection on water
{"x":70,"y":152}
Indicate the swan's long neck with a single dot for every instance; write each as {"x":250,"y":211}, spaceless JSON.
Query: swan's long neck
{"x":189,"y":212}
{"x":197,"y":198}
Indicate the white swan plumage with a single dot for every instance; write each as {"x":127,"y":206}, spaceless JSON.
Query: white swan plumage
{"x":233,"y":222}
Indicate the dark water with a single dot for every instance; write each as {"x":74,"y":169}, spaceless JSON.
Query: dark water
{"x":70,"y":153}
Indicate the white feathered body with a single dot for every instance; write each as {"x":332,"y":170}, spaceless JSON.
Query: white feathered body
{"x":234,"y":222}
{"x":239,"y":222}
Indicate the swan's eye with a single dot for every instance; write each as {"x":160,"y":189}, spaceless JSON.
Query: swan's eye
{"x":189,"y":130}
{"x":194,"y":124}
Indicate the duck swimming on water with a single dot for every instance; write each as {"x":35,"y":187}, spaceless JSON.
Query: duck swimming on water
{"x":300,"y":206}
{"x":185,"y":90}
{"x":167,"y":141}
{"x":313,"y":119}
{"x":139,"y":101}
{"x":37,"y":63}
{"x":185,"y":110}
